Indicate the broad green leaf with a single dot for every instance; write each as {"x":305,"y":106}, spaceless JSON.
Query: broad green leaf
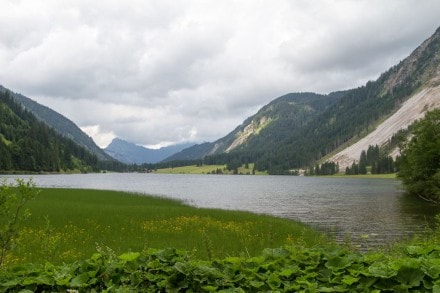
{"x":80,"y":280}
{"x":274,"y":282}
{"x":349,"y":280}
{"x":204,"y":270}
{"x":45,"y":280}
{"x":232,"y":290}
{"x":129,"y":256}
{"x":288,"y":272}
{"x":381,"y":270}
{"x":410,"y":276}
{"x":167,"y":255}
{"x":256,"y":284}
{"x":210,"y":288}
{"x":338,"y":263}
{"x":373,"y":257}
{"x":431,"y":267}
{"x":233,"y":259}
{"x":332,"y":289}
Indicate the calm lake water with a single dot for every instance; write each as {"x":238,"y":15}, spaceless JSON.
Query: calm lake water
{"x":340,"y":206}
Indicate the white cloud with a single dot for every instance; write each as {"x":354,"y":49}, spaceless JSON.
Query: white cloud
{"x":101,"y":138}
{"x":158,"y":72}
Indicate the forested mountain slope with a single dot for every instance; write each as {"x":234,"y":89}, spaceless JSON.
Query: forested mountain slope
{"x":28,"y":144}
{"x":270,"y":126}
{"x":289,"y":134}
{"x":59,"y":123}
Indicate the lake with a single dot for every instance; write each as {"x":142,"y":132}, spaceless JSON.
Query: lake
{"x":372,"y":211}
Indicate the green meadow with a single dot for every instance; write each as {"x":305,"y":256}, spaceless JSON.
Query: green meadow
{"x":69,"y":224}
{"x":208,"y":169}
{"x":372,"y":176}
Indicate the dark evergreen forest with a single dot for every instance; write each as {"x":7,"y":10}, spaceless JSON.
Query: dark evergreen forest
{"x":27,"y":144}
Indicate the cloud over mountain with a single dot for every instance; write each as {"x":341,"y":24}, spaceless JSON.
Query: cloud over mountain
{"x":162,"y":72}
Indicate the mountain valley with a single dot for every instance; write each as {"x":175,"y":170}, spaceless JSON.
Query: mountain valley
{"x":294,"y":131}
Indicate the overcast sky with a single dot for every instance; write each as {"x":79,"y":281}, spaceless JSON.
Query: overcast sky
{"x":164,"y":72}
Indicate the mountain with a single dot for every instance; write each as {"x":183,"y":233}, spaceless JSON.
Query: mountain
{"x":28,"y":144}
{"x":59,"y":123}
{"x":411,"y":110}
{"x":415,"y":84}
{"x":270,"y":125}
{"x":297,"y":130}
{"x":131,"y":153}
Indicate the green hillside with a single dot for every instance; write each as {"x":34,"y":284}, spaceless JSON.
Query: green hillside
{"x":297,"y":130}
{"x":29,"y":145}
{"x":59,"y":123}
{"x":270,"y":125}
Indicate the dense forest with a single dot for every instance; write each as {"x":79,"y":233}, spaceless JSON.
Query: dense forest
{"x":27,"y":144}
{"x":59,"y":123}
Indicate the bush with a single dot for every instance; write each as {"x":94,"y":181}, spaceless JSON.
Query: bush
{"x":12,"y":213}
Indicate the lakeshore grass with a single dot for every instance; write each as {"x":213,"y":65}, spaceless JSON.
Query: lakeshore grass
{"x":68,"y":224}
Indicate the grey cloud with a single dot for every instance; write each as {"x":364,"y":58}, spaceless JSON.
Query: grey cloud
{"x":158,"y":72}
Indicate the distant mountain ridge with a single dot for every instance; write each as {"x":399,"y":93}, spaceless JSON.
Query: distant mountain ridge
{"x":297,"y":130}
{"x":131,"y":153}
{"x":59,"y":123}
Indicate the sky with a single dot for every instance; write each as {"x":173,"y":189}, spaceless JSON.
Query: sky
{"x":163,"y":72}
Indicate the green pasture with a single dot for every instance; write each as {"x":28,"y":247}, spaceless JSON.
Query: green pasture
{"x":372,"y":176}
{"x":208,"y":169}
{"x":69,"y":224}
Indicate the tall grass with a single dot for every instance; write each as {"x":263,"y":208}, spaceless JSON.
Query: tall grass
{"x":68,"y":224}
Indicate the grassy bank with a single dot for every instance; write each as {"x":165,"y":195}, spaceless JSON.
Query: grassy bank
{"x":68,"y":224}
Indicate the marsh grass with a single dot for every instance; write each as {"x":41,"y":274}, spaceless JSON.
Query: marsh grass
{"x":68,"y":224}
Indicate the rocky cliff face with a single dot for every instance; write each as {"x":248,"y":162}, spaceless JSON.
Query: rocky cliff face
{"x":251,"y":129}
{"x":413,"y":109}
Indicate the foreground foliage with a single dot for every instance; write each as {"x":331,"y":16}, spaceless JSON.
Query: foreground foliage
{"x":291,"y":269}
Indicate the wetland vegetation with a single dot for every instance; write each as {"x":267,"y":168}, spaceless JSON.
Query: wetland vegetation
{"x":68,"y":224}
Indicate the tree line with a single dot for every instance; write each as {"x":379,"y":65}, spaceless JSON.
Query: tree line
{"x":378,"y":161}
